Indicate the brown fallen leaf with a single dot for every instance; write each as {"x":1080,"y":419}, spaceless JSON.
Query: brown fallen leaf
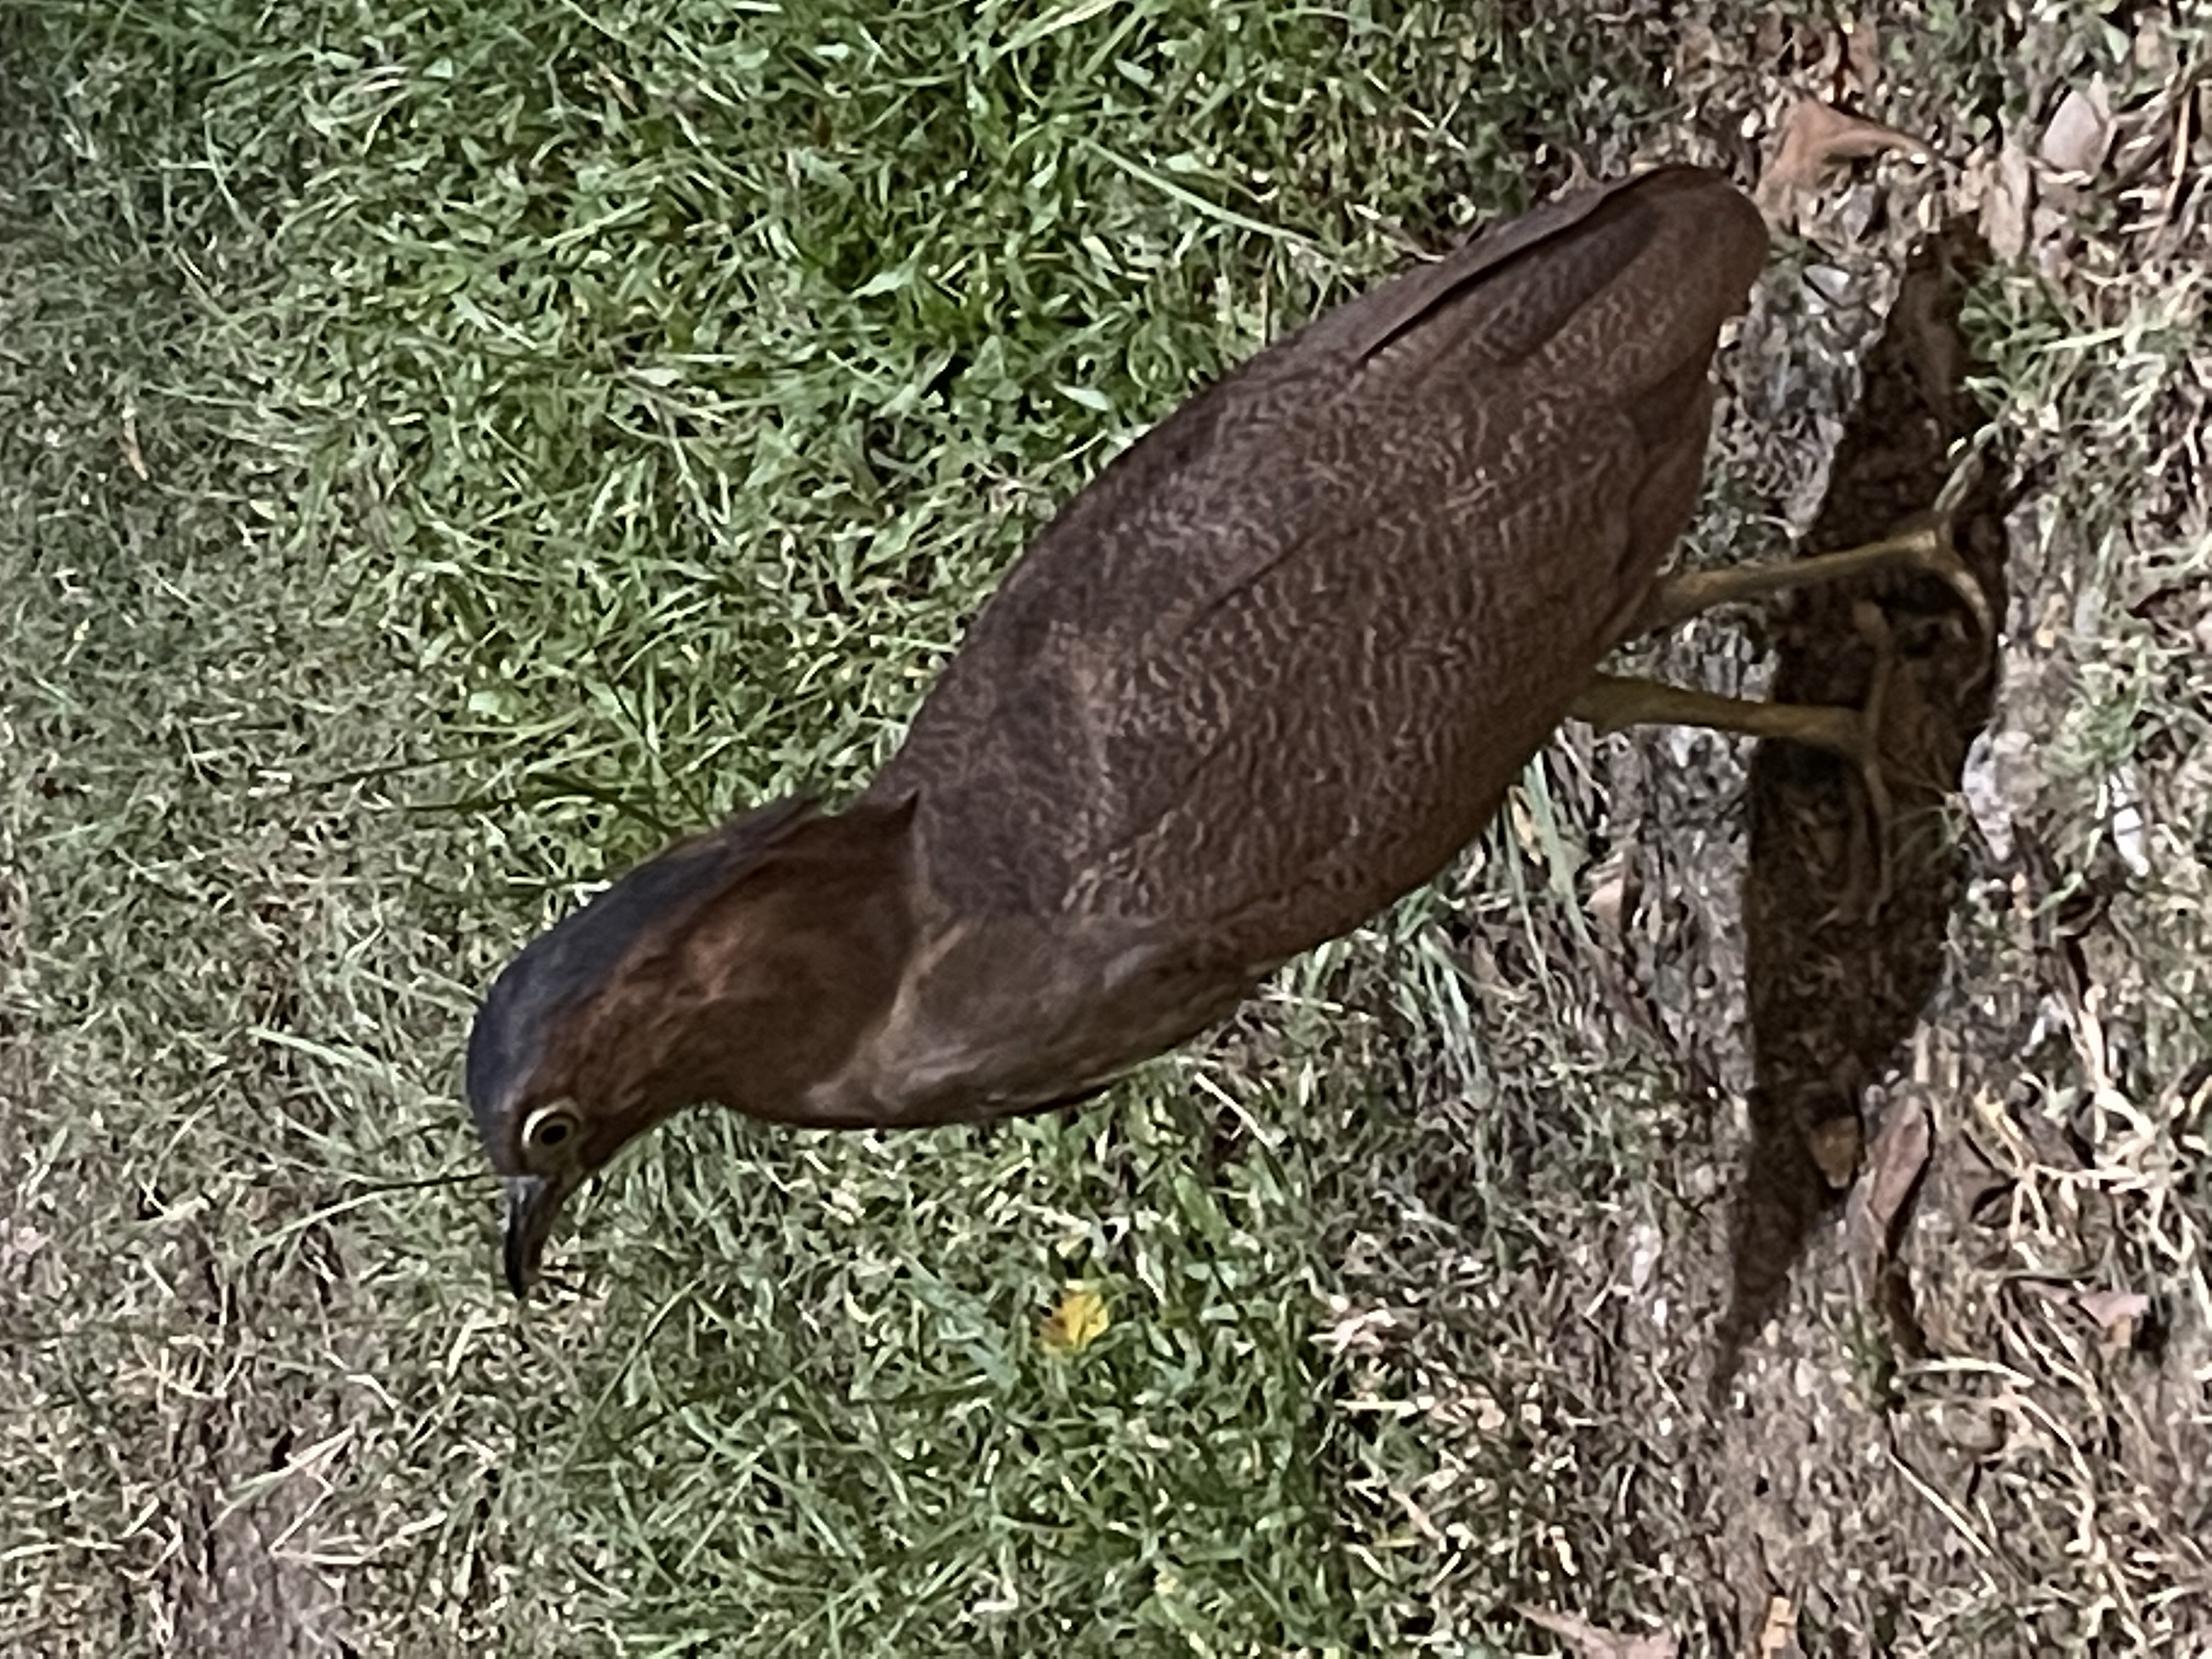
{"x":1894,"y":1165}
{"x":1780,"y":1632}
{"x":1816,"y":136}
{"x":2080,"y":130}
{"x":1589,"y":1641}
{"x":2116,"y":1313}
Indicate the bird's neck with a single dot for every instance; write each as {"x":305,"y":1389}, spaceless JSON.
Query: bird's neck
{"x":768,"y":987}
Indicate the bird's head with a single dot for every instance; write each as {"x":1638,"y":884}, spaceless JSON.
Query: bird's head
{"x":741,"y":967}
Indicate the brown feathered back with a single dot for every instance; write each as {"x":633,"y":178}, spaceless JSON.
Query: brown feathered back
{"x":1285,"y":656}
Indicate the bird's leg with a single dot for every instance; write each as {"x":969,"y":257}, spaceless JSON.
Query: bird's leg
{"x":1925,"y":546}
{"x":1613,"y":701}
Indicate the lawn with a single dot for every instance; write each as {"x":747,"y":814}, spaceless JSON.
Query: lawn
{"x":446,"y":450}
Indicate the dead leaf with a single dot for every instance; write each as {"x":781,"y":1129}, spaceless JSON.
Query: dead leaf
{"x":1076,"y":1320}
{"x":2116,"y":1313}
{"x":1832,"y":283}
{"x":1816,"y":136}
{"x":2006,"y":202}
{"x":2080,"y":130}
{"x":1895,"y":1163}
{"x":1780,"y":1630}
{"x":1589,"y":1642}
{"x":1998,"y":777}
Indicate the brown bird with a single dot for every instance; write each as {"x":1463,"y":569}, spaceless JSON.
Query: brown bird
{"x":1269,"y":671}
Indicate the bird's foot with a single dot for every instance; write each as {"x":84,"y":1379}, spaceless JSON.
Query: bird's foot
{"x":1925,"y":546}
{"x":1612,"y":701}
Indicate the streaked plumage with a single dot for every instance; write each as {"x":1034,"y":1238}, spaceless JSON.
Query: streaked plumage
{"x":1270,"y":671}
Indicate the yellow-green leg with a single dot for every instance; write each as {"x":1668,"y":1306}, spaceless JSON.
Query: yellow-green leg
{"x":1925,"y":547}
{"x":1614,"y":701}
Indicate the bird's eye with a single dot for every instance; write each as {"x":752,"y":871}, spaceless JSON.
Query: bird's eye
{"x":549,"y":1127}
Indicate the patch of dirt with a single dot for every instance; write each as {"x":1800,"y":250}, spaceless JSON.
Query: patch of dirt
{"x":1837,"y":978}
{"x":237,"y":1575}
{"x":1978,"y":1417}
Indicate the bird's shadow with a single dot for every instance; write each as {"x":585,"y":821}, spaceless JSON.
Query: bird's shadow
{"x":1835,"y":993}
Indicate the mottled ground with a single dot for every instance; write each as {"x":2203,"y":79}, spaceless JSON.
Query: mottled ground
{"x":449,"y":449}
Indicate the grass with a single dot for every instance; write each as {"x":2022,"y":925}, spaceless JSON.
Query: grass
{"x":453,"y":448}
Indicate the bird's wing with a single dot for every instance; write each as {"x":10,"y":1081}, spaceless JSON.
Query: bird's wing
{"x":1300,"y":631}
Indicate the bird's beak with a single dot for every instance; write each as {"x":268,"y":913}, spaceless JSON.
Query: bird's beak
{"x":533,"y":1205}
